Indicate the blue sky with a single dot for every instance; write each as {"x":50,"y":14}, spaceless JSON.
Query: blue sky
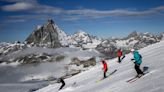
{"x":102,"y":18}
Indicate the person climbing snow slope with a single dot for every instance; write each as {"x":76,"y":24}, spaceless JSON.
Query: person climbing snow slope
{"x":137,"y":61}
{"x":105,"y":67}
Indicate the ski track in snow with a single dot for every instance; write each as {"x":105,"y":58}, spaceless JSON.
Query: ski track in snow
{"x":151,"y":82}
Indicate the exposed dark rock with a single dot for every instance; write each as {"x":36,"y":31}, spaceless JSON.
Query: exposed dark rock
{"x":85,"y":63}
{"x":107,"y":48}
{"x":46,"y":35}
{"x":59,"y":57}
{"x":71,"y":73}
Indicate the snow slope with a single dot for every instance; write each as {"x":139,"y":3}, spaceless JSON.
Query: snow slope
{"x":152,"y":82}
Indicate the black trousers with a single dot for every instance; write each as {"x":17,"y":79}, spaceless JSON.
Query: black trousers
{"x":105,"y":74}
{"x":138,"y":70}
{"x":119,"y":59}
{"x":63,"y":84}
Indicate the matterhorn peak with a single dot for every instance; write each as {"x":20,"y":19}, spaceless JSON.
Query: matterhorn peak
{"x":50,"y":21}
{"x":46,"y":35}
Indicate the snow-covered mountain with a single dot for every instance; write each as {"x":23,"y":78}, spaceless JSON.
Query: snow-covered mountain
{"x":8,"y":48}
{"x":84,"y":40}
{"x":48,"y":35}
{"x":139,"y":40}
{"x":151,"y":82}
{"x":82,"y":37}
{"x":135,"y":40}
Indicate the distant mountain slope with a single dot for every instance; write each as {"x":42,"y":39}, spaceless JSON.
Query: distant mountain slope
{"x":133,"y":40}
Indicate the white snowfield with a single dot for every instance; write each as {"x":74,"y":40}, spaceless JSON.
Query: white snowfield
{"x":153,"y":57}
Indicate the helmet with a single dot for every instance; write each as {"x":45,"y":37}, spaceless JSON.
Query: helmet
{"x":132,"y":50}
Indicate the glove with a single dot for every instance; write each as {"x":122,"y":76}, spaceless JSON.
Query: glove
{"x":132,"y":59}
{"x":134,"y":63}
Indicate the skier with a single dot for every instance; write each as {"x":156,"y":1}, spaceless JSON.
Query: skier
{"x":119,"y":54}
{"x":105,"y":68}
{"x":137,"y":62}
{"x":61,"y":81}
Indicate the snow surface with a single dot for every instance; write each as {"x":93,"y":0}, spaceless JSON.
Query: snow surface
{"x":152,"y":82}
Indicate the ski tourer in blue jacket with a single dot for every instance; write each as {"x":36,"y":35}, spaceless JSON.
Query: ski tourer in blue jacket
{"x":138,"y":61}
{"x":137,"y":57}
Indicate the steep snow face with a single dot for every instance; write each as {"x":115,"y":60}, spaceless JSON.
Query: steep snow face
{"x":63,"y":38}
{"x":151,"y":82}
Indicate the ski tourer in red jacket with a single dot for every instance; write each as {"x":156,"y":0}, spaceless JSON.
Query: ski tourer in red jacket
{"x":105,"y":68}
{"x":119,"y":53}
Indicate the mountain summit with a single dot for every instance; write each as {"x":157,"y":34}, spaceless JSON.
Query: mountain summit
{"x":48,"y":35}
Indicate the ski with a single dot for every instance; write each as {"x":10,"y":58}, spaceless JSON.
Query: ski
{"x":145,"y":70}
{"x":131,"y":79}
{"x":113,"y":72}
{"x":108,"y":75}
{"x":136,"y":78}
{"x":122,"y":58}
